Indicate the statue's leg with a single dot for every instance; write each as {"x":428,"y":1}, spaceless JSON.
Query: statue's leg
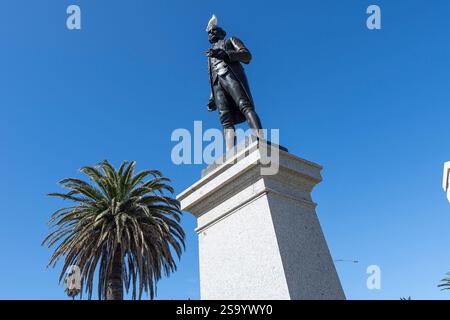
{"x":253,"y":121}
{"x":234,"y":89}
{"x":230,"y":138}
{"x":226,"y":117}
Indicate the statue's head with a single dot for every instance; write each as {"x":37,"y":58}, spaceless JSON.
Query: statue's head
{"x":215,"y":33}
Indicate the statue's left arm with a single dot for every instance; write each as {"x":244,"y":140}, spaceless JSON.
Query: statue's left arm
{"x":239,"y":53}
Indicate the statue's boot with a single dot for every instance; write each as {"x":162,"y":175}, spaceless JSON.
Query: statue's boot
{"x":254,"y":123}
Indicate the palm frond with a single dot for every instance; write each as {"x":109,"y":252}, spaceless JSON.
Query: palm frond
{"x":445,"y":283}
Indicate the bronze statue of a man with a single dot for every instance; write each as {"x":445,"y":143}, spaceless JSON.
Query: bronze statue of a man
{"x":230,"y":92}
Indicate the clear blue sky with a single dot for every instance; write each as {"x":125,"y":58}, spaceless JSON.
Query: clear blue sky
{"x":371,"y":106}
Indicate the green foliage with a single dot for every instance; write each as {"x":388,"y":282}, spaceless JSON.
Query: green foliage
{"x":445,"y":283}
{"x":117,"y":215}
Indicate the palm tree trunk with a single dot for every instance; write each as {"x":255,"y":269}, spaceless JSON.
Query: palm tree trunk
{"x":115,"y":283}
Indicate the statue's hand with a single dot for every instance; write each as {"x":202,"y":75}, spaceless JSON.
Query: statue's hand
{"x":217,"y":53}
{"x":211,"y":105}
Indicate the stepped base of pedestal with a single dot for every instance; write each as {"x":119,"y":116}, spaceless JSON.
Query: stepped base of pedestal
{"x":259,"y":235}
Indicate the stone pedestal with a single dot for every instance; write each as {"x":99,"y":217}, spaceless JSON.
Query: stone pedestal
{"x":259,"y":235}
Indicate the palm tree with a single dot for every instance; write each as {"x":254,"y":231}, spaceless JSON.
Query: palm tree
{"x":445,"y":283}
{"x":121,"y":224}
